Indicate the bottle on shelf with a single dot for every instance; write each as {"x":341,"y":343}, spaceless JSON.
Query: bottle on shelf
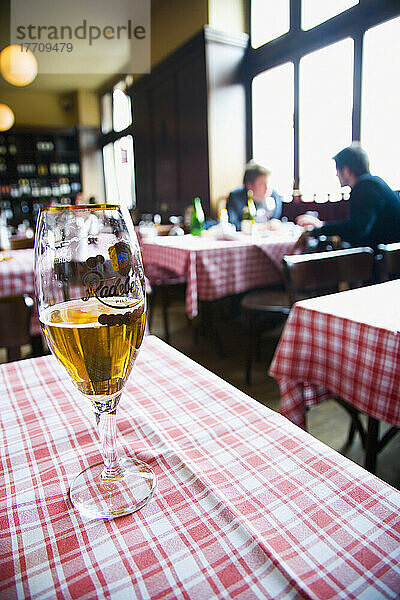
{"x":197,"y":220}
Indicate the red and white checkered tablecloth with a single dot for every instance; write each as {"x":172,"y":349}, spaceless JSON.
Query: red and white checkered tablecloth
{"x":16,"y":277}
{"x":248,"y":505}
{"x":346,"y":344}
{"x":218,"y":268}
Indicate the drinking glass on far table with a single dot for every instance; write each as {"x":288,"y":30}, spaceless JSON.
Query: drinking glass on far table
{"x":92,"y":307}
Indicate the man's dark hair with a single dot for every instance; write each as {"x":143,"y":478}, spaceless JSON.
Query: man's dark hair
{"x":253,"y":171}
{"x":353,"y":157}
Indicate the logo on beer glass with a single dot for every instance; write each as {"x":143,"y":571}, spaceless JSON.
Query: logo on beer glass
{"x":112,"y":279}
{"x":121,"y":258}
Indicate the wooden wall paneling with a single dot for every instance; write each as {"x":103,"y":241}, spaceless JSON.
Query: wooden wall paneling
{"x":164,"y":117}
{"x":192,"y":134}
{"x":143,"y":149}
{"x":225,"y":54}
{"x":189,"y":125}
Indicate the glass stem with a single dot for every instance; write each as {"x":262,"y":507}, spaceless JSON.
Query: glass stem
{"x":107,"y":428}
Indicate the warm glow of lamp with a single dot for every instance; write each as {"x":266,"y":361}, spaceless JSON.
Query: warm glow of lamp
{"x":18,"y":68}
{"x":6,"y":117}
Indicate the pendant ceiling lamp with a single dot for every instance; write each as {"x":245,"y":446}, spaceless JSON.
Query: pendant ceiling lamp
{"x":18,"y":68}
{"x":6,"y":117}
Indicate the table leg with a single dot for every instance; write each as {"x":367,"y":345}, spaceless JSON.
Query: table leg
{"x":371,"y":444}
{"x":250,"y":343}
{"x":207,"y":326}
{"x":37,"y":345}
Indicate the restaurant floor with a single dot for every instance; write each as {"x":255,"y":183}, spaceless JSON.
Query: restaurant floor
{"x":328,"y":421}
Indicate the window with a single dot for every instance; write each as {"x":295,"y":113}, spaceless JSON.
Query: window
{"x":122,"y":113}
{"x":119,"y":172}
{"x":110,"y":175}
{"x":106,"y":113}
{"x":118,"y":163}
{"x":124,"y":168}
{"x":380,"y":114}
{"x":346,"y":86}
{"x":326,"y":93}
{"x":269,"y":20}
{"x":273,"y":125}
{"x":314,"y":12}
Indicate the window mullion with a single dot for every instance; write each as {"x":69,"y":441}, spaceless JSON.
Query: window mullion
{"x":296,"y":131}
{"x":357,"y":83}
{"x":295,"y":15}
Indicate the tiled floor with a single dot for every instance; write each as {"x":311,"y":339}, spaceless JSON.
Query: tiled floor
{"x":328,"y":421}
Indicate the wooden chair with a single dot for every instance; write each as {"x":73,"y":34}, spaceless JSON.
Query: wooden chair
{"x":305,"y":276}
{"x":164,"y":284}
{"x":309,"y":275}
{"x":15,"y":318}
{"x":388,"y":261}
{"x":21,"y":243}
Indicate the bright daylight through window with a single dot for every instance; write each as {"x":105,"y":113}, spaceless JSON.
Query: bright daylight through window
{"x":122,"y":114}
{"x":380,"y":120}
{"x":269,"y":20}
{"x":314,"y":12}
{"x":326,"y":93}
{"x":273,"y":125}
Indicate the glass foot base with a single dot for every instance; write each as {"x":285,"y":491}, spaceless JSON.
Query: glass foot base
{"x":95,"y":498}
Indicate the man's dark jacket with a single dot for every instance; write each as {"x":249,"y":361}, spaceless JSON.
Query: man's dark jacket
{"x":238,"y":199}
{"x":374,"y":215}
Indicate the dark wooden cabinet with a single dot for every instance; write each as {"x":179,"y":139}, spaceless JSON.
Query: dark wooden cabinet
{"x":165,"y":143}
{"x":175,"y":120}
{"x":192,"y":136}
{"x":37,"y":167}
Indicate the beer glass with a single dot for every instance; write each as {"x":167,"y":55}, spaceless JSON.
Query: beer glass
{"x":90,"y":291}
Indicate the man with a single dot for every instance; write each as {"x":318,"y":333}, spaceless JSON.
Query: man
{"x":268,"y":203}
{"x":374,"y":208}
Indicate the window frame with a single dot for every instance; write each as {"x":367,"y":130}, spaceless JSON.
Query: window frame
{"x":296,"y":43}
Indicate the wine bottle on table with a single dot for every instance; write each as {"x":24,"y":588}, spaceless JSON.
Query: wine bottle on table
{"x":197,"y":220}
{"x":245,"y":224}
{"x":251,"y":206}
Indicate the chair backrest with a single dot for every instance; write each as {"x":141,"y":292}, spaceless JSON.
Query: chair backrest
{"x":21,"y":243}
{"x":320,"y":273}
{"x":388,"y":260}
{"x":15,"y":318}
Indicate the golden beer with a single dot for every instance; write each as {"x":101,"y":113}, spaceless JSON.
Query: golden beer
{"x":96,"y":343}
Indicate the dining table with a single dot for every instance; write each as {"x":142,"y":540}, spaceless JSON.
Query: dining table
{"x":344,"y":345}
{"x":218,"y":267}
{"x":248,"y":505}
{"x":17,"y":277}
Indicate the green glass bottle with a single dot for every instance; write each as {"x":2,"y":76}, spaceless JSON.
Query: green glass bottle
{"x":197,"y":220}
{"x":251,"y":207}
